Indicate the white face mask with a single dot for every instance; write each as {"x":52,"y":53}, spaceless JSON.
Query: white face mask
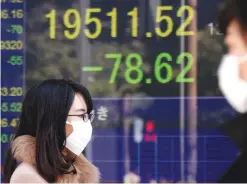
{"x":80,"y":137}
{"x":230,"y":83}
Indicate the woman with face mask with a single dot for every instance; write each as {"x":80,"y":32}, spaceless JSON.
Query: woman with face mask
{"x":232,"y":77}
{"x":54,"y":129}
{"x":232,"y":72}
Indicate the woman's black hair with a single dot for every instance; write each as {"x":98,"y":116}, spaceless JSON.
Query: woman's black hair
{"x":232,"y":10}
{"x":44,"y":113}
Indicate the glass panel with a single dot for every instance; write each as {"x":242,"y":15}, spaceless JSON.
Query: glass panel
{"x":150,"y":66}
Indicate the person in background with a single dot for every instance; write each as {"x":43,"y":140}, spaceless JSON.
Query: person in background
{"x":233,"y":24}
{"x":232,"y":78}
{"x":54,"y":129}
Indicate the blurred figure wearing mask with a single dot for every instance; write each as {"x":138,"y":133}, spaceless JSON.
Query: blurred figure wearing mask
{"x":232,"y":77}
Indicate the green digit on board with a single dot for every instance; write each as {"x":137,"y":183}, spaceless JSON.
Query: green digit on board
{"x":117,"y":63}
{"x":159,"y":66}
{"x":11,"y":137}
{"x":181,"y":76}
{"x":131,"y":68}
{"x":13,"y":107}
{"x":4,"y":107}
{"x":4,"y":138}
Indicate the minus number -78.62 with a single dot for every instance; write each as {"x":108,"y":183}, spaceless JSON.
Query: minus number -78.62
{"x":162,"y":64}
